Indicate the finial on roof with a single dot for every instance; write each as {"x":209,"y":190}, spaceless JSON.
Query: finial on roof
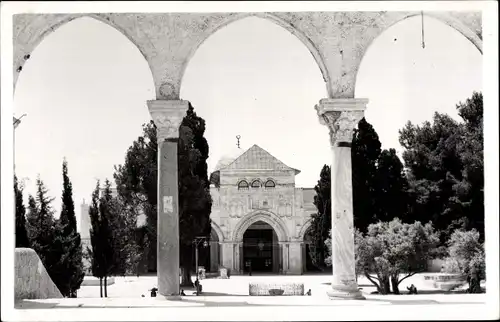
{"x":238,"y":137}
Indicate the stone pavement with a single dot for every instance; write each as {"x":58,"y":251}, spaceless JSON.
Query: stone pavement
{"x":229,"y":300}
{"x":131,"y":286}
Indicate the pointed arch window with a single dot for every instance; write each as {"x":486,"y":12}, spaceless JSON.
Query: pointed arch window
{"x":243,"y":185}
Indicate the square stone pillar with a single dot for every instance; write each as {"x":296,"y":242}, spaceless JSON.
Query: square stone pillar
{"x":214,"y":256}
{"x":227,"y":255}
{"x":167,"y":116}
{"x":284,"y":256}
{"x":341,"y":116}
{"x":295,"y":258}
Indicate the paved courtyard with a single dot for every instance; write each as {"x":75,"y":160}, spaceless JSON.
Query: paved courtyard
{"x":237,"y":286}
{"x":222,"y":297}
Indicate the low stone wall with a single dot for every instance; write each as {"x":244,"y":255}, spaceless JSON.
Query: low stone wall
{"x":31,"y":278}
{"x":94,"y":281}
{"x":269,"y":289}
{"x":444,"y":281}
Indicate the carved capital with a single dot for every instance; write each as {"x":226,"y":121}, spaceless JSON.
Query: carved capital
{"x":341,"y":116}
{"x":167,"y":116}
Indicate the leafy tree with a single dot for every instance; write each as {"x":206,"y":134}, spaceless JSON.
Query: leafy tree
{"x":67,"y":241}
{"x":322,"y":220}
{"x":365,"y":153}
{"x":391,"y":188}
{"x":123,"y":223}
{"x":444,"y":160}
{"x":392,"y":249}
{"x":21,"y":233}
{"x":100,"y":236}
{"x":469,"y":192}
{"x":466,"y":256}
{"x":136,"y":182}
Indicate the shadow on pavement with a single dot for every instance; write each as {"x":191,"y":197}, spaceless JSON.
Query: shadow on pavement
{"x":33,"y":305}
{"x":217,"y":294}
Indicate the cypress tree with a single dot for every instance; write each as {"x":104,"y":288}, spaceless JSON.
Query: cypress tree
{"x":68,"y":240}
{"x":21,"y":233}
{"x":41,"y":226}
{"x":322,"y":220}
{"x":391,"y":193}
{"x":366,"y":148}
{"x":101,"y":253}
{"x":96,"y":254}
{"x":195,"y":201}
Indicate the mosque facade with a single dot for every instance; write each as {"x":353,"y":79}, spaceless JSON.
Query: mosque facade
{"x":260,"y":219}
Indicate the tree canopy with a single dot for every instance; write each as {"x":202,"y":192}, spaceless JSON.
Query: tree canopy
{"x":467,"y":257}
{"x":445,"y":167}
{"x":392,"y":249}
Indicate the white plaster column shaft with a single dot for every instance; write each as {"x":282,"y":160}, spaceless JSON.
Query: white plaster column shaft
{"x":341,"y":116}
{"x":167,"y":116}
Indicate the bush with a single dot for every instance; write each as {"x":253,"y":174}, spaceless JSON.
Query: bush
{"x":466,"y":257}
{"x":390,"y":249}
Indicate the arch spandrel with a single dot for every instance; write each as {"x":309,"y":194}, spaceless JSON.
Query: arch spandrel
{"x":374,"y":24}
{"x":205,"y":25}
{"x":268,"y":217}
{"x":303,"y":230}
{"x":218,"y":231}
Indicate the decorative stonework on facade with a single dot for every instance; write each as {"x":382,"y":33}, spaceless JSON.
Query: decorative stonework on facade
{"x":257,"y":187}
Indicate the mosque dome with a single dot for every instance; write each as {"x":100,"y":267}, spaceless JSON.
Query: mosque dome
{"x":228,"y":158}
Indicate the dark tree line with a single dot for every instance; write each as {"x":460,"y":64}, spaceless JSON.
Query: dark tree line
{"x":441,"y":180}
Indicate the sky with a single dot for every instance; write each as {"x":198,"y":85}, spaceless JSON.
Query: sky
{"x":85,"y":88}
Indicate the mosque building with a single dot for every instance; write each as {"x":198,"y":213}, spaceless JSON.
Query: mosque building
{"x":260,"y":219}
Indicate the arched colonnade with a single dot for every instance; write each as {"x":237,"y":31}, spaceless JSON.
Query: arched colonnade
{"x":337,"y":40}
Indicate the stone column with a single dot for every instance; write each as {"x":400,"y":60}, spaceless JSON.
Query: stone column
{"x":341,"y":116}
{"x":167,"y":116}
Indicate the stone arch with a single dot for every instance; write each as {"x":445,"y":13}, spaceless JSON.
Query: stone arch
{"x":218,"y":231}
{"x":261,"y":215}
{"x":462,"y":25}
{"x":304,"y":228}
{"x":31,"y":29}
{"x":274,"y":19}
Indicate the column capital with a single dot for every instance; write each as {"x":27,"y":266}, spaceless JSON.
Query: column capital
{"x":167,"y":116}
{"x":341,"y":116}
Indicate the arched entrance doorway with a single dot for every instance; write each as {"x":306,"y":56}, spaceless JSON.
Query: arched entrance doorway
{"x":308,"y":260}
{"x":260,"y":249}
